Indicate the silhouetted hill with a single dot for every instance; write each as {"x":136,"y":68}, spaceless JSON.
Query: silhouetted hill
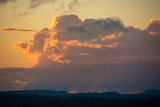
{"x":49,"y":98}
{"x":35,"y":93}
{"x":151,"y":92}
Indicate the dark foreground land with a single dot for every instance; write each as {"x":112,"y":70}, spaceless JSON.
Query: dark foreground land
{"x":43,"y":98}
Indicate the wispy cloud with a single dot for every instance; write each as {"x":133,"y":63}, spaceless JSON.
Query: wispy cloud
{"x":11,"y":30}
{"x":5,"y":1}
{"x":37,"y":3}
{"x":70,"y":6}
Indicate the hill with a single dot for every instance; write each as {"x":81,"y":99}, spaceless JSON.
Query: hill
{"x":49,"y":98}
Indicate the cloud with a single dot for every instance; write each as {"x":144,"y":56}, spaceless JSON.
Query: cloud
{"x":107,"y":40}
{"x":85,"y":54}
{"x":17,"y":30}
{"x":29,"y":6}
{"x":73,"y":28}
{"x":73,"y":5}
{"x":125,"y":78}
{"x":69,"y":31}
{"x":19,"y":84}
{"x":5,"y":1}
{"x":15,"y":78}
{"x":33,"y":3}
{"x":66,"y":7}
{"x":154,"y":27}
{"x":36,"y":3}
{"x":89,"y":55}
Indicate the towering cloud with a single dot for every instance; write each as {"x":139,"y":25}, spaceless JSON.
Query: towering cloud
{"x":106,"y":39}
{"x":91,"y":55}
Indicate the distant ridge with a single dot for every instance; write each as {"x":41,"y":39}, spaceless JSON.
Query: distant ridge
{"x":147,"y":94}
{"x":151,"y":92}
{"x":49,"y":98}
{"x":35,"y":92}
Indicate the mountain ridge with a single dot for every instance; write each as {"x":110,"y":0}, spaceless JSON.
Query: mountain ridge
{"x":147,"y":94}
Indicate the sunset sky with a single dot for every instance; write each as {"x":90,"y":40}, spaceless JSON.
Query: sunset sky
{"x":80,"y":45}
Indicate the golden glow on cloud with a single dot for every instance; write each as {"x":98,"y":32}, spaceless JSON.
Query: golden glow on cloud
{"x":153,"y":33}
{"x":155,"y":21}
{"x":81,"y":44}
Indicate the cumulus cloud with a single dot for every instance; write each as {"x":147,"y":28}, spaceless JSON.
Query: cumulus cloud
{"x":105,"y":39}
{"x":91,"y":55}
{"x":73,"y":28}
{"x":69,"y":31}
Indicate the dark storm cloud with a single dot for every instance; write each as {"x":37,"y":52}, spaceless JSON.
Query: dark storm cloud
{"x":125,"y":78}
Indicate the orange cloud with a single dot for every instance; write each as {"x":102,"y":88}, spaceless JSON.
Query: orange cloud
{"x":110,"y":37}
{"x":155,"y":21}
{"x":59,"y":59}
{"x":107,"y":37}
{"x":112,"y":45}
{"x":81,"y":44}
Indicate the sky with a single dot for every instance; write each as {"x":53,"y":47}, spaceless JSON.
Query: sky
{"x":80,"y":45}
